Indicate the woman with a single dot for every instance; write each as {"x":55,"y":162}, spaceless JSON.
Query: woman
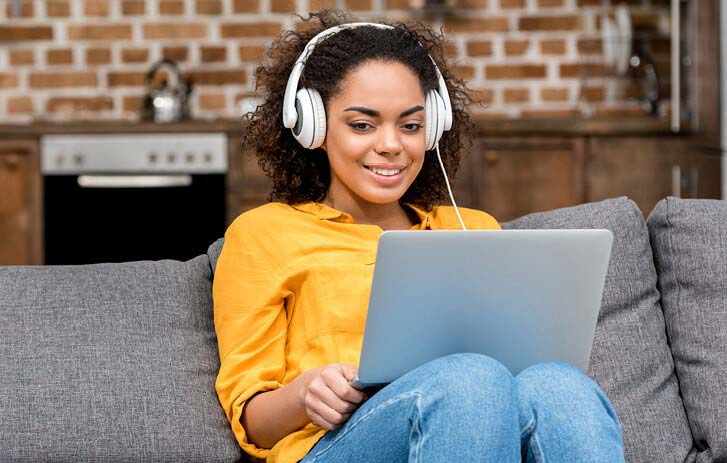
{"x":292,"y":282}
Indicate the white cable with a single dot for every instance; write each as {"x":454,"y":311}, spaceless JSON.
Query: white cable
{"x":448,"y":188}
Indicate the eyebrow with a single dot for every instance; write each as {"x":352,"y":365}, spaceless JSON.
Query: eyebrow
{"x":374,"y":113}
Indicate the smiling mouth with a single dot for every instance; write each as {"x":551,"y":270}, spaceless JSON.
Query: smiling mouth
{"x":386,"y":172}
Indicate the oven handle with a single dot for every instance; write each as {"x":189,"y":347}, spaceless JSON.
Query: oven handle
{"x":133,"y":181}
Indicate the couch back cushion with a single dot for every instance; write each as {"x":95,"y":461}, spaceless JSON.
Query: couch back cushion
{"x":689,"y":237}
{"x":110,"y":362}
{"x":630,"y":358}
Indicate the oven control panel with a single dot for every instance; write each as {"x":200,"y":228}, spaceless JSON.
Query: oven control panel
{"x":193,"y":153}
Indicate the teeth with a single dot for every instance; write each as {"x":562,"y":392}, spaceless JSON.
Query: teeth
{"x":384,"y":172}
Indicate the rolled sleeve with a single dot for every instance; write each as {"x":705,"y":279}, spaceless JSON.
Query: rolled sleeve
{"x":251,"y":325}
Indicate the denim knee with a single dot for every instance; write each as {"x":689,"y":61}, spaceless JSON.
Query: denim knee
{"x":557,"y":385}
{"x":468,"y":375}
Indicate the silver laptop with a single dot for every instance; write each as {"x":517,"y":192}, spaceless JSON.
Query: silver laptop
{"x":519,"y":296}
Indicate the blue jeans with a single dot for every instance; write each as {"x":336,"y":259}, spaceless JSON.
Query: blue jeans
{"x":469,"y":407}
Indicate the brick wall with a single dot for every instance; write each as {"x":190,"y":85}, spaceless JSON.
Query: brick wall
{"x":87,"y":59}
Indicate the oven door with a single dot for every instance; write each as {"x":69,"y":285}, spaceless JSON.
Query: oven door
{"x":120,"y":218}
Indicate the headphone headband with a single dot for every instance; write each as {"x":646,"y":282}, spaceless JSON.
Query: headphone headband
{"x":290,"y":115}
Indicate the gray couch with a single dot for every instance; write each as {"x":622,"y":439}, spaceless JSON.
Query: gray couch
{"x":117,"y":361}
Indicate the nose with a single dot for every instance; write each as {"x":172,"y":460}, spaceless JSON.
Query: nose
{"x":389,"y":141}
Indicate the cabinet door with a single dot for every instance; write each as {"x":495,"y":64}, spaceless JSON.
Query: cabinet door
{"x":701,"y":175}
{"x":20,"y":204}
{"x":642,"y":168}
{"x":519,"y":175}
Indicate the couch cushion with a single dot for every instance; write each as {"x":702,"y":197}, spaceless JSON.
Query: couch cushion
{"x":213,"y":252}
{"x":630,"y":358}
{"x":689,"y":237}
{"x":110,"y":362}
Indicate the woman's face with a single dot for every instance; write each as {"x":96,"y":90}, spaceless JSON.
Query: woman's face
{"x":376,"y":120}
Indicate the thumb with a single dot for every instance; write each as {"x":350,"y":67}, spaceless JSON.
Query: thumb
{"x":349,"y":371}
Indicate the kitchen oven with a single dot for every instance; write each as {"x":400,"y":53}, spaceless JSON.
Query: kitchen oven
{"x":118,"y":198}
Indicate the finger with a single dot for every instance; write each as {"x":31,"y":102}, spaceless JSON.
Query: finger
{"x":320,"y":421}
{"x":332,"y":416}
{"x":332,"y":400}
{"x":341,"y":387}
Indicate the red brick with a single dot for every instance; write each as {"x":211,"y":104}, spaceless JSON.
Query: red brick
{"x":464,"y":71}
{"x":222,"y":77}
{"x":213,"y":54}
{"x":27,"y":10}
{"x":61,"y":56}
{"x":550,"y":3}
{"x":177,"y":54}
{"x":63,"y":79}
{"x":485,"y":95}
{"x":171,"y":7}
{"x":582,"y":70}
{"x":18,"y":33}
{"x":251,"y":53}
{"x":20,"y":105}
{"x":551,"y":23}
{"x":281,"y":6}
{"x":479,"y":48}
{"x":490,"y":24}
{"x":21,"y":57}
{"x":515,"y":71}
{"x":552,"y":47}
{"x":472,"y":4}
{"x":590,"y":46}
{"x":133,"y":8}
{"x":126,"y":79}
{"x":58,"y":9}
{"x":134,"y":55}
{"x":510,"y":4}
{"x":516,"y":47}
{"x":317,"y":5}
{"x":554,"y":94}
{"x":175,"y":31}
{"x":102,"y":32}
{"x":358,"y":5}
{"x":96,"y":8}
{"x":208,"y":7}
{"x":258,"y":29}
{"x":76,"y":104}
{"x":246,"y":6}
{"x":98,"y":56}
{"x":131,"y":103}
{"x":592,"y":93}
{"x":8,"y":80}
{"x":212,"y":101}
{"x":517,"y":95}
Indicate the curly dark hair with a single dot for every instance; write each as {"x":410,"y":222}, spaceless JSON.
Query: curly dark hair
{"x":301,"y":175}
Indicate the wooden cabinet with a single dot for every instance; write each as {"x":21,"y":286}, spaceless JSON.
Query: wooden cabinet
{"x":519,"y":175}
{"x":20,"y":204}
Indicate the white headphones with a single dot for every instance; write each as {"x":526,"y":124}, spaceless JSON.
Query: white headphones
{"x":304,"y":114}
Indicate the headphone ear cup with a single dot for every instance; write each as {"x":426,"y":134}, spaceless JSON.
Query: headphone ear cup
{"x":310,"y":126}
{"x":434,"y":108}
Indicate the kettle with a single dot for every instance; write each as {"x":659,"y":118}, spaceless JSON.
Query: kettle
{"x":169,"y":103}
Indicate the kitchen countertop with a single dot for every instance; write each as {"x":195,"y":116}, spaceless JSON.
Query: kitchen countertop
{"x":610,"y":126}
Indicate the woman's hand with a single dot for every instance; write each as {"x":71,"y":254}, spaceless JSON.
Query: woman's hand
{"x":328,"y":398}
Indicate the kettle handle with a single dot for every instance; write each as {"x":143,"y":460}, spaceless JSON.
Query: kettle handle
{"x":164,"y":62}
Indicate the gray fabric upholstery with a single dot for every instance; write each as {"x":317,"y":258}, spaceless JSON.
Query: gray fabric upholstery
{"x":213,"y":252}
{"x":630,"y":359}
{"x":689,"y":237}
{"x":110,"y":362}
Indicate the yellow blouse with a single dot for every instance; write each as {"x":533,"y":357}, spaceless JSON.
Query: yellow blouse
{"x":291,"y":290}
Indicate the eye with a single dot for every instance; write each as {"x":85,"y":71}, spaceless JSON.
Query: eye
{"x":361,"y":126}
{"x":413,"y":127}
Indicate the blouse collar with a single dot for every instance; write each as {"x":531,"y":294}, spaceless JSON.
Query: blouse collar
{"x":325,"y":212}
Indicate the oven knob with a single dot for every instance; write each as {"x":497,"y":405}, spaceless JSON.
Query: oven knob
{"x":59,"y":160}
{"x":190,"y":158}
{"x":153,"y":157}
{"x":78,"y":159}
{"x":171,"y":157}
{"x":207,"y":157}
